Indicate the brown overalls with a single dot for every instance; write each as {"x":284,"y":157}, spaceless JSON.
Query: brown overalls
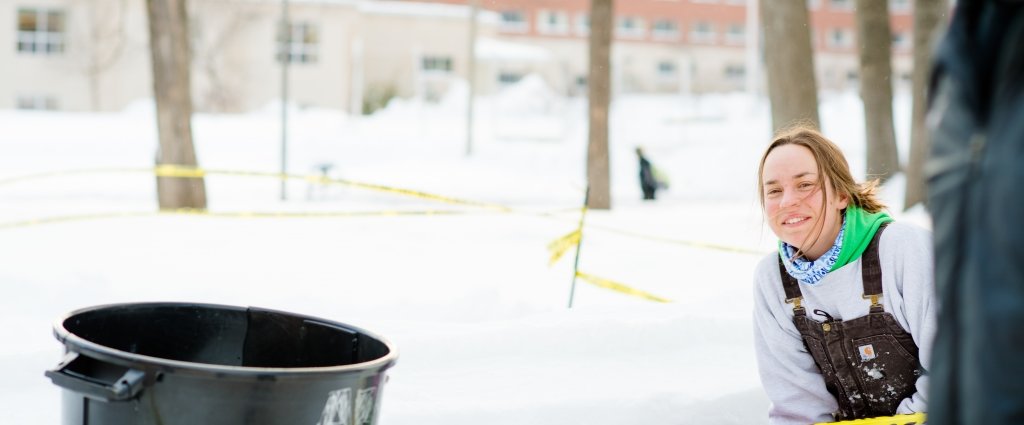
{"x":870,"y":364}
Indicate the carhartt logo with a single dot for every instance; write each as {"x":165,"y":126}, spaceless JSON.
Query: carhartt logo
{"x":867,"y":352}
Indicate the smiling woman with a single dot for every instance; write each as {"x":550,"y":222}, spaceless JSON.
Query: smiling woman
{"x":868,"y":280}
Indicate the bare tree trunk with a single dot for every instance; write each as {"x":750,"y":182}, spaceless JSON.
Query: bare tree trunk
{"x":599,"y":87}
{"x":792,"y":88}
{"x":927,"y":20}
{"x":874,"y":41}
{"x":168,"y":39}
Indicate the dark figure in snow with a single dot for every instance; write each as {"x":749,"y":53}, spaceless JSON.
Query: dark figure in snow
{"x":647,"y":181}
{"x":844,"y":312}
{"x":975,"y":175}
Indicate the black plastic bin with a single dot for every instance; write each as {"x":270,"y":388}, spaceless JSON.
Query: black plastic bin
{"x":202,"y":364}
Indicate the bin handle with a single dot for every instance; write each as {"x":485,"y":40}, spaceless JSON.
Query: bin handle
{"x":125,"y":387}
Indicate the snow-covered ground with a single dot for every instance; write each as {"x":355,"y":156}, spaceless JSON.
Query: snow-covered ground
{"x":479,"y":316}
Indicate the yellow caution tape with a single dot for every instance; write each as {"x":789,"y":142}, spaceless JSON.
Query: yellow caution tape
{"x":912,"y":419}
{"x":559,"y":246}
{"x":313,"y":214}
{"x":193,"y":172}
{"x":168,"y":170}
{"x":619,"y":287}
{"x":185,"y":171}
{"x":226,"y":214}
{"x":554,"y":215}
{"x":69,"y":218}
{"x":694,"y":244}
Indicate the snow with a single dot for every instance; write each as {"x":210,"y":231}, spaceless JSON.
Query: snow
{"x":500,"y":50}
{"x":479,"y":317}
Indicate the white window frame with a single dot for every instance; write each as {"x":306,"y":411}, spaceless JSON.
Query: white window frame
{"x":436,"y":65}
{"x":699,"y":36}
{"x":636,"y":31}
{"x":504,"y":80}
{"x":582,"y":23}
{"x":735,"y":38}
{"x":671,"y":32}
{"x":733,"y":76}
{"x":901,"y":7}
{"x":901,"y":40}
{"x":669,"y":73}
{"x":41,"y":40}
{"x":553,"y":22}
{"x":36,"y":102}
{"x":517,"y":26}
{"x":845,"y":42}
{"x":845,"y":5}
{"x":302,"y":44}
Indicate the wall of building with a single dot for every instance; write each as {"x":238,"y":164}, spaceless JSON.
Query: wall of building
{"x":105,"y":45}
{"x":370,"y":50}
{"x":244,"y":67}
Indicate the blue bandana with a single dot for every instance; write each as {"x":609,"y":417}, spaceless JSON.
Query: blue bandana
{"x":811,"y":272}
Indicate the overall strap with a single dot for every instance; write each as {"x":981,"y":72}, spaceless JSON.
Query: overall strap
{"x":871,"y":271}
{"x":792,"y":288}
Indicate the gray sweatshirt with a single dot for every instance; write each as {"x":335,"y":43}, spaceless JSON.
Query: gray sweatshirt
{"x":788,"y":373}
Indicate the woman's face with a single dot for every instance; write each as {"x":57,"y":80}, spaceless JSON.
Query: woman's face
{"x":792,"y":201}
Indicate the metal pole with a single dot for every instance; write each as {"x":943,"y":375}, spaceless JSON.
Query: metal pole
{"x":286,"y":58}
{"x":579,"y":244}
{"x":474,"y":8}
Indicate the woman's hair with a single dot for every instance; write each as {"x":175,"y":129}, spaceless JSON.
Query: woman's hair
{"x":831,"y":163}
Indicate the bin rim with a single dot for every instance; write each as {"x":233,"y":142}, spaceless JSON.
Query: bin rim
{"x":75,"y":343}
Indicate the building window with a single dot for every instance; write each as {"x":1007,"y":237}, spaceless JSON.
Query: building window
{"x":735,"y":72}
{"x":299,"y":41}
{"x":735,"y":34}
{"x":583,"y":24}
{"x":900,"y":41}
{"x":702,"y":32}
{"x":813,"y":4}
{"x":40,"y":31}
{"x":899,"y":6}
{"x":666,"y":70}
{"x":552,"y":22}
{"x":37,"y":103}
{"x":841,"y":4}
{"x":436,"y":64}
{"x":839,"y":38}
{"x":507,"y":78}
{"x":630,"y":27}
{"x":514,"y":21}
{"x":664,"y":29}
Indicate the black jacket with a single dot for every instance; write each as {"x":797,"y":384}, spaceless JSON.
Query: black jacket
{"x":976,"y":197}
